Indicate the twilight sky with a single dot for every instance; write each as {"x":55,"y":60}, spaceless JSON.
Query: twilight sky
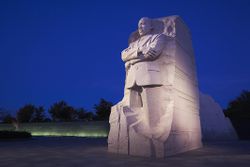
{"x":70,"y":49}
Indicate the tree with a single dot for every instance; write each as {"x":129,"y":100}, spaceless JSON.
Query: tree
{"x":103,"y":109}
{"x":89,"y":116}
{"x":39,"y":114}
{"x":2,"y":114}
{"x":61,"y":111}
{"x":238,"y":112}
{"x":240,"y":107}
{"x":5,"y":116}
{"x":31,"y":113}
{"x":8,"y":119}
{"x":85,"y":115}
{"x":25,"y":113}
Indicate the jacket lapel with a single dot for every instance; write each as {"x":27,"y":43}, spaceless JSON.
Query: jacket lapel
{"x":144,"y":40}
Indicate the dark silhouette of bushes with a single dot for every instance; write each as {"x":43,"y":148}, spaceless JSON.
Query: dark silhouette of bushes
{"x":103,"y":109}
{"x":8,"y":119}
{"x":238,"y":111}
{"x":31,"y":113}
{"x":14,"y":134}
{"x":85,"y":115}
{"x":61,"y":111}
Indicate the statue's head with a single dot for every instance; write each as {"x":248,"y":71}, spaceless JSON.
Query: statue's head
{"x":144,"y":26}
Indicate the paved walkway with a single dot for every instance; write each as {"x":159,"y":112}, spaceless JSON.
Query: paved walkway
{"x":74,"y":152}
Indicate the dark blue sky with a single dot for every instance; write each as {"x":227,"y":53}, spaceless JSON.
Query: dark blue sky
{"x":70,"y":50}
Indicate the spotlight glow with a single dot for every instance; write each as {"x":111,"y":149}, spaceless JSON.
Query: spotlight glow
{"x":75,"y":129}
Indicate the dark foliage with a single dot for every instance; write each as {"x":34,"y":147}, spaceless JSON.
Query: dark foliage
{"x":47,"y":120}
{"x":14,"y":134}
{"x":240,"y":107}
{"x":8,"y":119}
{"x":103,"y":109}
{"x":84,"y":115}
{"x":238,"y":112}
{"x":2,"y":113}
{"x":25,"y":113}
{"x":61,"y":111}
{"x":39,"y":115}
{"x":5,"y":116}
{"x":31,"y":113}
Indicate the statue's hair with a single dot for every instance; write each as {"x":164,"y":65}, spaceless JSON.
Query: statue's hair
{"x":148,"y":19}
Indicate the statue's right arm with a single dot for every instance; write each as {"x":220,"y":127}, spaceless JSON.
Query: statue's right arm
{"x":129,"y":54}
{"x":156,"y":47}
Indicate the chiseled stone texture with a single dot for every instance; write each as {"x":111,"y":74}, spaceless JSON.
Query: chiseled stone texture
{"x":215,"y":126}
{"x":159,"y":114}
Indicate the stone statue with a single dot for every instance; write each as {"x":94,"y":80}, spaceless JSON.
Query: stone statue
{"x":159,"y":113}
{"x":143,"y":80}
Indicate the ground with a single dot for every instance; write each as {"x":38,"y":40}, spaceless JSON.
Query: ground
{"x":91,"y":152}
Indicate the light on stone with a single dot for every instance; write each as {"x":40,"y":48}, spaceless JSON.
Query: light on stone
{"x":159,"y":113}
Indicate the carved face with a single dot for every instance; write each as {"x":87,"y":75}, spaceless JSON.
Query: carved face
{"x":144,"y":26}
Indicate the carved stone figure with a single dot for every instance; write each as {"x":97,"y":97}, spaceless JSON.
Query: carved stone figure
{"x":159,"y":113}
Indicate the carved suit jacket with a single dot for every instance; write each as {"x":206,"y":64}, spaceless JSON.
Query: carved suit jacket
{"x":142,"y":56}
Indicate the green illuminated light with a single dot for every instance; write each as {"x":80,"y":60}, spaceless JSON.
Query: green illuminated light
{"x":82,"y":134}
{"x":74,"y":129}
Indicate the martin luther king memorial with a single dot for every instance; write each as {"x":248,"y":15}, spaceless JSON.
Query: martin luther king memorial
{"x":159,"y":114}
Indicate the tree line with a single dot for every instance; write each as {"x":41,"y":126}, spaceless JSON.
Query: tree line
{"x":238,"y":111}
{"x":60,"y":111}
